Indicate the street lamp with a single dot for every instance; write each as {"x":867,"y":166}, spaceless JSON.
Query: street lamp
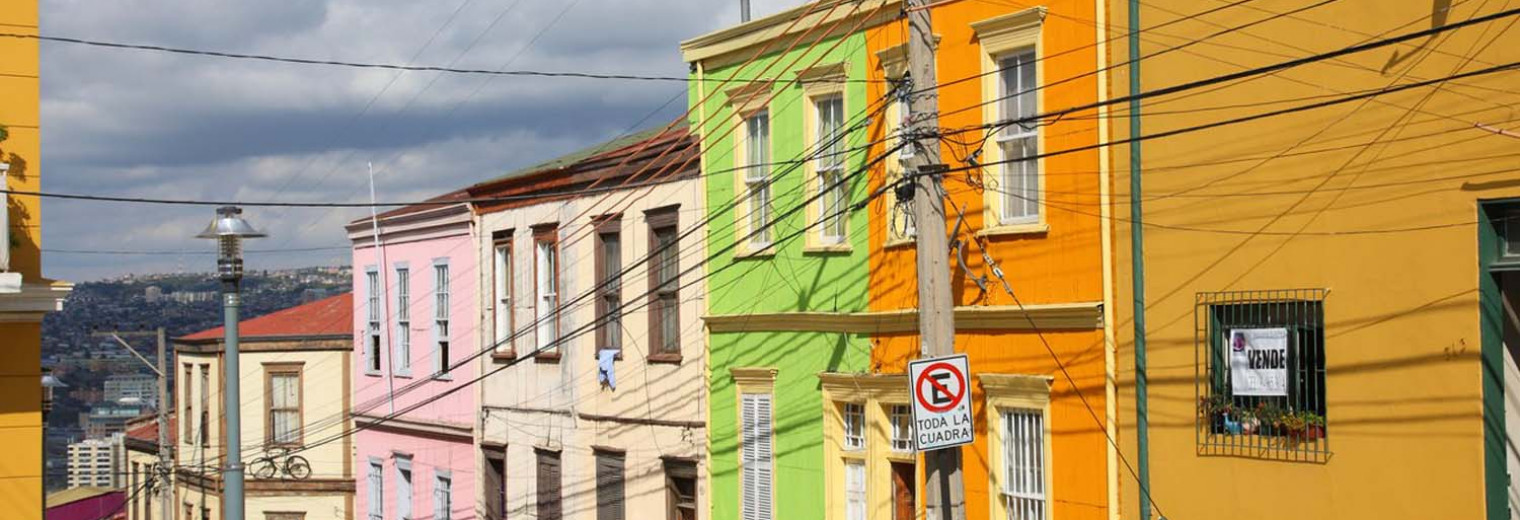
{"x":229,"y":229}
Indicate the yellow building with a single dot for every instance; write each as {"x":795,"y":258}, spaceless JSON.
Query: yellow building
{"x":296,"y":369}
{"x":1327,"y":284}
{"x":24,"y":294}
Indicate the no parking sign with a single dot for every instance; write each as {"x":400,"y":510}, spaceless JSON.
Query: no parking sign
{"x":941,"y":390}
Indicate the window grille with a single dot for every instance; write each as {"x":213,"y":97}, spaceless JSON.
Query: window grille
{"x":1261,"y":374}
{"x":855,"y":490}
{"x":1024,"y":464}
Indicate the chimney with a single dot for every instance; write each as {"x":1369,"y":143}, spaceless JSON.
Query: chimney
{"x":743,"y":11}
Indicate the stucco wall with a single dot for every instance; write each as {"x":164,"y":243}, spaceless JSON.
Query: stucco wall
{"x":657,"y":407}
{"x":1328,"y":198}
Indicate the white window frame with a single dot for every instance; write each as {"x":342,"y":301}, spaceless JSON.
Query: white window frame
{"x":501,"y":292}
{"x":443,"y":495}
{"x":855,"y":486}
{"x":376,"y":492}
{"x":442,"y":346}
{"x":900,"y":419}
{"x":1002,"y":37}
{"x":756,"y":210}
{"x":828,"y":170}
{"x":546,"y":291}
{"x":374,"y":340}
{"x":406,"y":488}
{"x":1025,"y":463}
{"x":403,"y":320}
{"x":853,"y":422}
{"x":1018,"y":99}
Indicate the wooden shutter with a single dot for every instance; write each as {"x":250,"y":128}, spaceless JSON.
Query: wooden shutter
{"x":548,"y":485}
{"x":609,"y":486}
{"x":495,"y":484}
{"x":756,"y":457}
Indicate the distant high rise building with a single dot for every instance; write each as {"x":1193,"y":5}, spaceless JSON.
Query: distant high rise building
{"x":106,"y":419}
{"x":96,"y":462}
{"x":153,"y":293}
{"x":132,"y":389}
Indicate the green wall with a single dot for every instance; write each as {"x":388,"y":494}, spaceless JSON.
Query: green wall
{"x":790,"y":280}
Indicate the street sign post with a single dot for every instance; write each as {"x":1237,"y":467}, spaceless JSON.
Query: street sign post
{"x":941,"y":392}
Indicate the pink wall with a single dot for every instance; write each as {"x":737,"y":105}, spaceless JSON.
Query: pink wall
{"x":108,"y":506}
{"x":428,"y":451}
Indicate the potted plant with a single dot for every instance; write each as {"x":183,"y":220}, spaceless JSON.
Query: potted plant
{"x":1314,"y":426}
{"x":1294,"y":426}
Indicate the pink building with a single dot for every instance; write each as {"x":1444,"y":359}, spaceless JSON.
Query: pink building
{"x":415,"y":315}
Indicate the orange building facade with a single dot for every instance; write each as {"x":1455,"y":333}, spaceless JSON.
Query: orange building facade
{"x":1031,"y":286}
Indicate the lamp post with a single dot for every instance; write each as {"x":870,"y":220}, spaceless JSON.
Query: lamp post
{"x":229,"y":229}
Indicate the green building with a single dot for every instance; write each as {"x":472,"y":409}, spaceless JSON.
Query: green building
{"x":780,"y":105}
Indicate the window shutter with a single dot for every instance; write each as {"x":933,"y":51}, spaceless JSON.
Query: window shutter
{"x":609,"y":486}
{"x":548,"y":486}
{"x":756,"y":457}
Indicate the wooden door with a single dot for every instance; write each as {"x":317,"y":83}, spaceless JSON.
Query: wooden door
{"x":904,"y":501}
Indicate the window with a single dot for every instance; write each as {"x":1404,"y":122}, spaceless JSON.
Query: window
{"x":186,"y":424}
{"x":757,"y":179}
{"x":132,"y":483}
{"x":609,"y":284}
{"x":189,"y":511}
{"x":205,"y":513}
{"x":681,"y":490}
{"x":855,"y":490}
{"x":854,"y":426}
{"x":548,"y":503}
{"x":376,"y":492}
{"x":1024,"y":464}
{"x":284,"y":515}
{"x":282,"y":393}
{"x":441,"y":318}
{"x":1262,"y":384}
{"x":546,"y":273}
{"x":755,"y":457}
{"x":372,"y":349}
{"x":900,"y":225}
{"x":205,"y":405}
{"x":665,"y":285}
{"x":830,"y":168}
{"x":1019,"y":182}
{"x":495,"y":483}
{"x":404,"y":488}
{"x":609,"y":485}
{"x":501,"y":290}
{"x":443,"y":496}
{"x":902,"y":428}
{"x":403,"y":321}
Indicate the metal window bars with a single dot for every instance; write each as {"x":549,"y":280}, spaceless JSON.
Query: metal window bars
{"x":1260,"y":374}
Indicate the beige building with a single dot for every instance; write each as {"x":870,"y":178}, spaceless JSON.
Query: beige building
{"x":295,"y":376}
{"x":141,"y":469}
{"x":96,"y":462}
{"x":564,"y":278}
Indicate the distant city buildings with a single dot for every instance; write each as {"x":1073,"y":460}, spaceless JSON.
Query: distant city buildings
{"x":107,"y":419}
{"x":96,"y":462}
{"x":132,"y":389}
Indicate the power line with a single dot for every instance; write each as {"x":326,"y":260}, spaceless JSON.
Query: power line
{"x":368,"y":65}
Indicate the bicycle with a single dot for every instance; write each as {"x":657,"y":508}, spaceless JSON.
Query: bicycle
{"x":292,"y":466}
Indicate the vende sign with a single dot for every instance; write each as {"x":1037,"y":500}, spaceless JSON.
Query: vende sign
{"x":941,"y":390}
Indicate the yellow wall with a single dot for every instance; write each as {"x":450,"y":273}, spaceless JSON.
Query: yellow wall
{"x":20,"y":343}
{"x":1402,"y":330}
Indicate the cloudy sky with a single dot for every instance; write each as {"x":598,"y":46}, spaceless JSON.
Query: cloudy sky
{"x":134,"y":123}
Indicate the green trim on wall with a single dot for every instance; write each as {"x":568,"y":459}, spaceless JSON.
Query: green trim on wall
{"x":1491,"y":310}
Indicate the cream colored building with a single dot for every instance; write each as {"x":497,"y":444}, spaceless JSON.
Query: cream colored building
{"x":141,"y":466}
{"x":96,"y":462}
{"x":553,"y":436}
{"x":296,"y":372}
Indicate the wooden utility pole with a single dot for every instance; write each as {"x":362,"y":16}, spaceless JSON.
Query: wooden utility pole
{"x":165,"y":457}
{"x":945,"y":490}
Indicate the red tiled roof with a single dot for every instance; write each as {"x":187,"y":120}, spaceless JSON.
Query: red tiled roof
{"x":327,"y":317}
{"x":148,"y":431}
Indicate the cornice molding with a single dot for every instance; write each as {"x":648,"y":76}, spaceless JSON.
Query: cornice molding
{"x":33,"y":300}
{"x":1059,"y":316}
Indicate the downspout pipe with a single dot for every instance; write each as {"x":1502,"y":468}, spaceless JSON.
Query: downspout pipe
{"x":1137,"y":263}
